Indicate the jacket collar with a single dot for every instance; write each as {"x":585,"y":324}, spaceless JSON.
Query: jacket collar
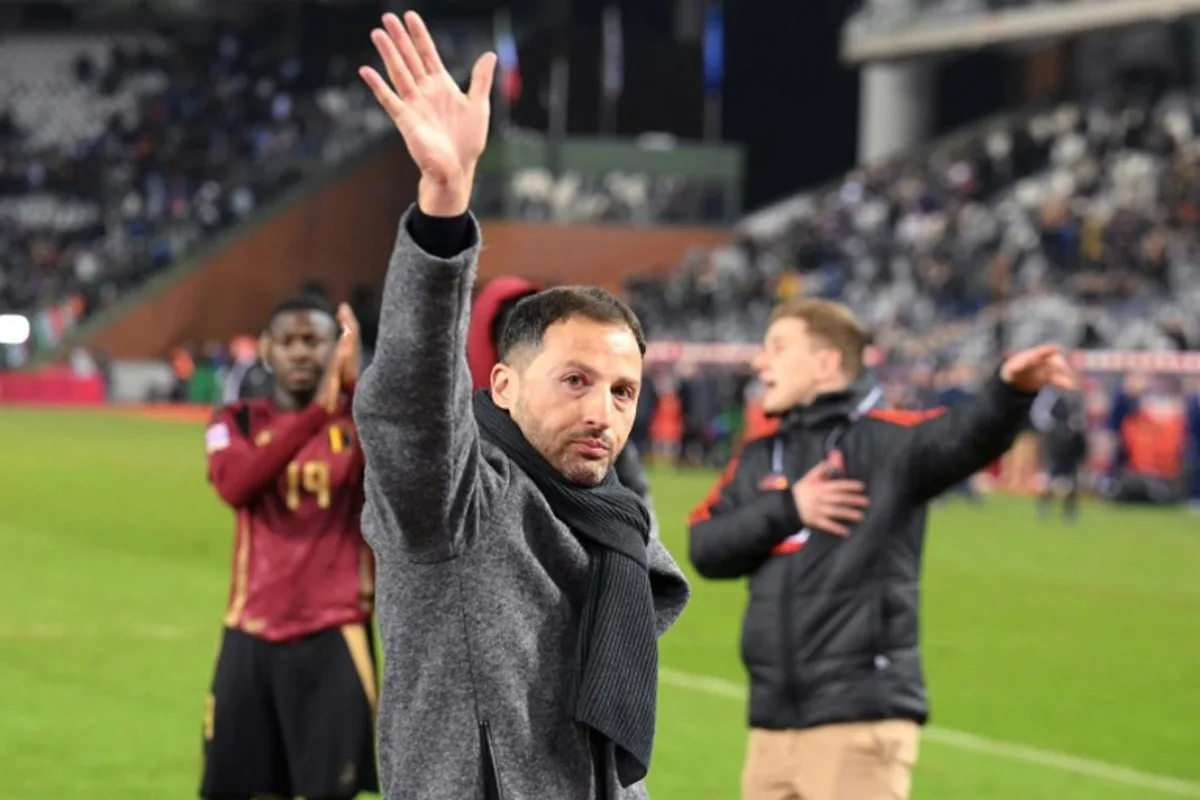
{"x":834,"y":407}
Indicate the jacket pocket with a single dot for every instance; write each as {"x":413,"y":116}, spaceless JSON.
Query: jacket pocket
{"x":491,"y":775}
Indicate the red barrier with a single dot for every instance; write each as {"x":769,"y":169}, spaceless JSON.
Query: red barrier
{"x":56,"y":386}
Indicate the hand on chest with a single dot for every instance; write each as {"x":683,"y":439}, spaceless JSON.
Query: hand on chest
{"x":828,"y":496}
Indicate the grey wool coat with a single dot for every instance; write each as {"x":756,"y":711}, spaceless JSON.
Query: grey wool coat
{"x":479,"y":586}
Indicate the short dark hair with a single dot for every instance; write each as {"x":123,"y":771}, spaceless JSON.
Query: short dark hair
{"x":504,"y":312}
{"x":535,"y":313}
{"x":300,"y":302}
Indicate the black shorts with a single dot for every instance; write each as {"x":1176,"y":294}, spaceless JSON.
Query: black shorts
{"x":293,"y":719}
{"x":1064,"y":465}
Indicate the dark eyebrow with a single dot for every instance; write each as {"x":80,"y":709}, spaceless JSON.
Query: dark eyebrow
{"x":579,"y":366}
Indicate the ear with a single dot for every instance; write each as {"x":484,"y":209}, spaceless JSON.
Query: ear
{"x":264,"y":347}
{"x":506,"y":384}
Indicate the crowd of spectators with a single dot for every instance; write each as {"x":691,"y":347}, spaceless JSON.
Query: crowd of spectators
{"x":120,"y":154}
{"x":1077,"y":224}
{"x":180,"y":140}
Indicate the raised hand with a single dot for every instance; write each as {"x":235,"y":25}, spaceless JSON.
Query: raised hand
{"x":827,"y":503}
{"x":444,"y":128}
{"x":1034,"y":369}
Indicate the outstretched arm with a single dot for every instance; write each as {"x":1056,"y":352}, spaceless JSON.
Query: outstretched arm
{"x":413,"y":405}
{"x":951,"y":447}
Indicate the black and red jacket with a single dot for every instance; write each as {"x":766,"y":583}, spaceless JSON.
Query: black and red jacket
{"x":831,"y":630}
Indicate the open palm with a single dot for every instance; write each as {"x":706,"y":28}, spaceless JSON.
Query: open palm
{"x":444,"y":128}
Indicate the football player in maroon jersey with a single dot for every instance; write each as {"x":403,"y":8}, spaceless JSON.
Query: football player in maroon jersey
{"x":292,"y":707}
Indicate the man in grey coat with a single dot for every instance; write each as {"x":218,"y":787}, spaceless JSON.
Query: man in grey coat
{"x":520,"y":591}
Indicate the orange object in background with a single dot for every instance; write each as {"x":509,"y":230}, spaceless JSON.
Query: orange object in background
{"x":758,"y":424}
{"x":1154,"y":443}
{"x":666,"y":428}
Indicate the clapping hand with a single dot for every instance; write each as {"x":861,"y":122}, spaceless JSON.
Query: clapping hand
{"x":347,"y":358}
{"x":444,"y":128}
{"x":346,"y":363}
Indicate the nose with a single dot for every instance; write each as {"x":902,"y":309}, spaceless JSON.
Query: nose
{"x":598,"y":409}
{"x":300,"y":352}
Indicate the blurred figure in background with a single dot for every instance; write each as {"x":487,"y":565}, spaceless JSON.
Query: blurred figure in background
{"x":1191,"y":390}
{"x":952,"y":386}
{"x":1060,"y":419}
{"x":1125,"y":404}
{"x":291,"y":710}
{"x":831,"y":636}
{"x":248,"y":377}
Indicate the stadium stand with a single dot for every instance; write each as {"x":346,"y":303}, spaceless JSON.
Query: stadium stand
{"x":122,"y":153}
{"x":1075,"y":224}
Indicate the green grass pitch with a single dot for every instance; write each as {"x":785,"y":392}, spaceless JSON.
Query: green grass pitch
{"x":1064,"y":662}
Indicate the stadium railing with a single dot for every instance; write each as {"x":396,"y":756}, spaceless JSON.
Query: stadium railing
{"x":865,"y":40}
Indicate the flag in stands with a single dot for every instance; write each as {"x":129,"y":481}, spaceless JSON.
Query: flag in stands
{"x":510,"y":69}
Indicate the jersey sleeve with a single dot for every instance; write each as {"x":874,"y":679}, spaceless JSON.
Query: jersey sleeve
{"x":238,"y":469}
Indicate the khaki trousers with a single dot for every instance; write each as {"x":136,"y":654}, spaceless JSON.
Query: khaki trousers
{"x":853,"y":761}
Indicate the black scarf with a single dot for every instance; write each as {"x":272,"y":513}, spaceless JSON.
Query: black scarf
{"x":617,"y":686}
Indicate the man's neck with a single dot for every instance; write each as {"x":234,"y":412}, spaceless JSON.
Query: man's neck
{"x":286,"y":401}
{"x":832,"y":387}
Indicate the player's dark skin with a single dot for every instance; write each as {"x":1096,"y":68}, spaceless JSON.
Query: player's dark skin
{"x":299,"y":347}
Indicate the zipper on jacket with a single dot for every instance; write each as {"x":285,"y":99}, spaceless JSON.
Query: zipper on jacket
{"x":790,"y":692}
{"x":487,"y":758}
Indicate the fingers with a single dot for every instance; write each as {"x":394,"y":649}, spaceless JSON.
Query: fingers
{"x":1065,"y":379}
{"x":1042,"y":351}
{"x":402,"y":45}
{"x":423,"y":42}
{"x":837,"y":529}
{"x":403,"y":79}
{"x":482,"y":76}
{"x":834,"y":518}
{"x":817,"y":473}
{"x":843,"y":486}
{"x":850,"y":500}
{"x":346,"y":318}
{"x":387,"y":99}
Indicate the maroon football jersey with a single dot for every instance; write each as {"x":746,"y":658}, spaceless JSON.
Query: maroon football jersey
{"x":295,"y":482}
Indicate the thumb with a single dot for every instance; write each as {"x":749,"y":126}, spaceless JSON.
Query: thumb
{"x":1041,"y":353}
{"x":482,"y":76}
{"x":817,"y":473}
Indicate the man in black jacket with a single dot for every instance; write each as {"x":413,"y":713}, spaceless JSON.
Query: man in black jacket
{"x":1061,"y":419}
{"x":830,"y":637}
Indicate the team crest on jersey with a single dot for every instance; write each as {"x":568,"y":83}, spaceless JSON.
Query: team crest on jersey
{"x":262,"y":438}
{"x":774,"y":482}
{"x":340,"y":438}
{"x":216,"y":437}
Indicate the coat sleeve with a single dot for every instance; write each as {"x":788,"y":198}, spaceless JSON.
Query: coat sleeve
{"x":412,"y":405}
{"x":737,"y":525}
{"x":941,"y":448}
